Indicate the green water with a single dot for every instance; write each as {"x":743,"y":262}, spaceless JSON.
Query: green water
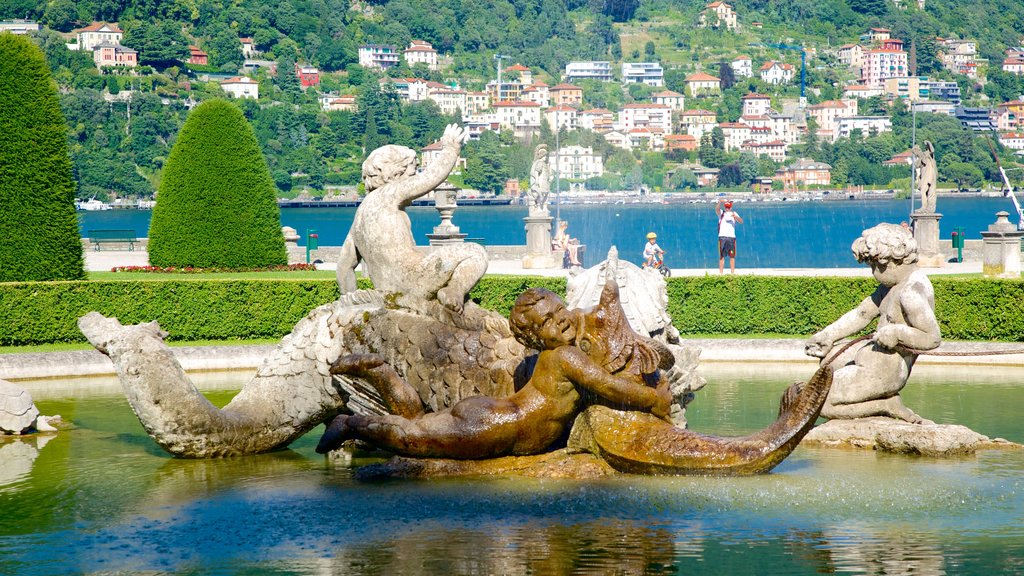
{"x":102,"y":498}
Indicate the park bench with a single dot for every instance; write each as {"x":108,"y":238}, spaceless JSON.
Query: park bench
{"x":99,"y":237}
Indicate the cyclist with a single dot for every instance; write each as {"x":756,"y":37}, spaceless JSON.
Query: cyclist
{"x":652,"y":252}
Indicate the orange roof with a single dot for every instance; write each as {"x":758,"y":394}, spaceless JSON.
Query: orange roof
{"x":513,"y":104}
{"x":701,"y":77}
{"x":754,"y":95}
{"x":518,"y":68}
{"x":564,"y":86}
{"x":96,"y":26}
{"x":698,"y":113}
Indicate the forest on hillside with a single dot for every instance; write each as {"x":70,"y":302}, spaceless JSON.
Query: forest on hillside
{"x":120,"y":147}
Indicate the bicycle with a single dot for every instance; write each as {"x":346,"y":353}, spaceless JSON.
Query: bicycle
{"x":659,"y":265}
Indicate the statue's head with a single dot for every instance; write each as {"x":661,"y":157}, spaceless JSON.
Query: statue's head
{"x":886,"y":244}
{"x":540,"y":152}
{"x":540,"y":320}
{"x":387,"y":163}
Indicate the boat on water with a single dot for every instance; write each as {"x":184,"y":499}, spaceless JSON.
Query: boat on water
{"x":92,"y":205}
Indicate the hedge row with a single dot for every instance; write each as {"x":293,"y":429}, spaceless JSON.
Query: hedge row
{"x":46,"y":312}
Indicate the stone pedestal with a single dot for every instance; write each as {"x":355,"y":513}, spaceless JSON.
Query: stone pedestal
{"x":1001,"y":248}
{"x":538,"y":240}
{"x":926,"y":233}
{"x":444,"y":202}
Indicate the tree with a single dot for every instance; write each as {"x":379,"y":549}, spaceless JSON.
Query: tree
{"x":216,"y":205}
{"x":225,"y":49}
{"x":159,"y":45}
{"x":38,"y":228}
{"x":726,"y":76}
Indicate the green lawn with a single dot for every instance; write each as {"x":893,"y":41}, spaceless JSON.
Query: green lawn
{"x":156,"y":276}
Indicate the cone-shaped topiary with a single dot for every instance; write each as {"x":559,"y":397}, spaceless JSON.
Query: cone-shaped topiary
{"x":39,"y":237}
{"x":216,"y":204}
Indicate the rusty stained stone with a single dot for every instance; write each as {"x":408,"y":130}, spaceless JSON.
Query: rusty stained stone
{"x":556,"y":464}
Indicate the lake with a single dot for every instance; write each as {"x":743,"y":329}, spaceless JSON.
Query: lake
{"x":102,"y":498}
{"x":774,"y":234}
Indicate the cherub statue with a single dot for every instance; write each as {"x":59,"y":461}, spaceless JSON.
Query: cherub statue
{"x":381,"y":234}
{"x":540,"y":179}
{"x":927,"y":174}
{"x":870,"y":375}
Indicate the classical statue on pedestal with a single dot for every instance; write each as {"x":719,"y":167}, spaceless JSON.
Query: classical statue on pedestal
{"x":926,"y":174}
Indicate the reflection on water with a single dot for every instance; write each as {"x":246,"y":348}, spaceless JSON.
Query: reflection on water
{"x":102,"y":498}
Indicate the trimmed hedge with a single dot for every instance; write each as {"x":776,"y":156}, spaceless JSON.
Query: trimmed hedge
{"x":39,"y":237}
{"x":47,"y":312}
{"x":217,"y":204}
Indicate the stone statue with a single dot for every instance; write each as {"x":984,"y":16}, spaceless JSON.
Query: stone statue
{"x":926,"y":175}
{"x":528,"y":421}
{"x":540,"y":180}
{"x":443,"y":355}
{"x":870,"y":375}
{"x":381,"y":235}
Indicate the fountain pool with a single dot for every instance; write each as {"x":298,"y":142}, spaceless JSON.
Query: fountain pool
{"x":103,"y":498}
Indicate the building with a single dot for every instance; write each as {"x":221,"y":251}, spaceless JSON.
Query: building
{"x":197,"y":56}
{"x":683,"y":142}
{"x":576,"y":163}
{"x":977,"y":119}
{"x":742,"y":66}
{"x":656,"y":117}
{"x":521,"y":73}
{"x":410,"y":89}
{"x":736,"y":133}
{"x":827,"y":115}
{"x":98,"y":33}
{"x":381,"y":56}
{"x":674,"y":100}
{"x":335,"y":103}
{"x":861,"y":91}
{"x":934,"y":107}
{"x":420,"y":52}
{"x":538,"y":92}
{"x":566,"y":95}
{"x":588,"y":70}
{"x":597,"y":120}
{"x":646,"y":139}
{"x":776,"y":72}
{"x":959,"y":56}
{"x":449,"y":100}
{"x":876,"y":35}
{"x":1011,"y":115}
{"x":706,"y":177}
{"x":851,"y":56}
{"x":939,"y":90}
{"x":19,"y":26}
{"x":867,"y":125}
{"x":618,"y":140}
{"x":701,"y":84}
{"x":308,"y":75}
{"x":114,"y":55}
{"x":719,"y":15}
{"x":756,"y":104}
{"x":774,"y":149}
{"x":880,"y":64}
{"x":1012,"y":140}
{"x":649,"y":73}
{"x":241,"y":87}
{"x":431,"y":152}
{"x":477,"y":102}
{"x":696,"y":123}
{"x":907,"y":88}
{"x":1014,"y":65}
{"x":562,"y":117}
{"x":248,"y":48}
{"x":804,"y":172}
{"x":523,"y":118}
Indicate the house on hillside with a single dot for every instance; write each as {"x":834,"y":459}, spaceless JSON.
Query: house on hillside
{"x":674,"y":100}
{"x":197,"y":56}
{"x":804,"y":172}
{"x":421,"y":52}
{"x":19,"y":26}
{"x":776,"y":72}
{"x":649,"y":73}
{"x":538,"y":92}
{"x":719,"y":15}
{"x":560,"y":117}
{"x":880,"y":64}
{"x":640,"y":115}
{"x":98,"y":33}
{"x":449,"y":100}
{"x":742,"y":66}
{"x":308,"y":75}
{"x":588,"y":70}
{"x":696,"y":123}
{"x":827,"y":115}
{"x":597,"y":120}
{"x":566,"y":95}
{"x":335,"y":103}
{"x":683,"y":142}
{"x":382,"y":56}
{"x":248,"y":48}
{"x":114,"y":55}
{"x":241,"y":87}
{"x":851,"y":56}
{"x":576,"y":162}
{"x":756,"y":104}
{"x":701,"y":84}
{"x":523,"y":118}
{"x":1014,"y":65}
{"x":867,"y":125}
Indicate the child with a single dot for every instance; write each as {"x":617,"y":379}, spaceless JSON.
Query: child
{"x":652,"y":251}
{"x":526,"y":422}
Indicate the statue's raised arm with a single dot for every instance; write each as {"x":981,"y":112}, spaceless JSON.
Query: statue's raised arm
{"x":415,"y":185}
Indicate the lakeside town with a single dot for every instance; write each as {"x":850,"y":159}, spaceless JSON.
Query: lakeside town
{"x":614,"y":125}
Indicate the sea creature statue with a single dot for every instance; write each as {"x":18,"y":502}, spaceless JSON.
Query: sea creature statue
{"x":445,"y":349}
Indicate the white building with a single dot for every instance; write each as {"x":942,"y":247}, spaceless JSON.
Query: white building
{"x":649,"y":73}
{"x":1012,"y":140}
{"x":756,"y":104}
{"x":673,"y":100}
{"x":241,"y":87}
{"x":335,"y":103}
{"x":381,"y":56}
{"x":736,"y":133}
{"x":656,"y":117}
{"x":592,"y":70}
{"x":449,"y":100}
{"x":696,"y":123}
{"x":868,"y":125}
{"x":576,"y":162}
{"x":248,"y":47}
{"x":959,"y":56}
{"x":411,"y":89}
{"x":538,"y":92}
{"x":597,"y":120}
{"x":776,"y":72}
{"x":98,"y":33}
{"x":523,"y":118}
{"x":742,"y":66}
{"x":560,"y":117}
{"x":420,"y":52}
{"x":862,"y":91}
{"x":827,"y":115}
{"x":774,"y":149}
{"x":19,"y":26}
{"x":718,"y":15}
{"x":701,"y":84}
{"x":851,"y":56}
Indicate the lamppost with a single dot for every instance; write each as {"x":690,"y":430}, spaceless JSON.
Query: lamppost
{"x":913,"y":168}
{"x":558,"y":179}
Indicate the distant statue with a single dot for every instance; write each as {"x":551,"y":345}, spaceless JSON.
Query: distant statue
{"x":381,"y":235}
{"x":870,"y":374}
{"x":926,"y":174}
{"x":540,"y":179}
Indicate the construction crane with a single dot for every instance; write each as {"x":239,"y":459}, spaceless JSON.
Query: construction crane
{"x":1008,"y":190}
{"x":803,"y":66}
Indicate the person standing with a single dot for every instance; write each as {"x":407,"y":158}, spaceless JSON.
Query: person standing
{"x":727,"y":221}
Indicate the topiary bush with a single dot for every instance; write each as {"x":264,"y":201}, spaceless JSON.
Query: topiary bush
{"x":38,"y":228}
{"x":216,"y":205}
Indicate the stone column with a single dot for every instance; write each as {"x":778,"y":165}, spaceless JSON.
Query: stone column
{"x":926,"y":233}
{"x":1001,"y":248}
{"x":291,"y":245}
{"x":444,"y":203}
{"x":538,"y":240}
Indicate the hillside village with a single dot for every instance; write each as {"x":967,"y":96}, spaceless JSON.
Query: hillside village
{"x":695,"y":119}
